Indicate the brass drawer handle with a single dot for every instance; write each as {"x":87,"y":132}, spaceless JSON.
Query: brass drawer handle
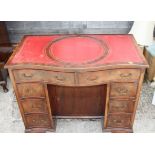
{"x":44,"y":121}
{"x":37,"y":106}
{"x":92,"y":78}
{"x":118,"y":121}
{"x":122,"y":91}
{"x":125,"y":75}
{"x":39,"y":121}
{"x":121,"y":107}
{"x":60,"y":78}
{"x":27,"y":75}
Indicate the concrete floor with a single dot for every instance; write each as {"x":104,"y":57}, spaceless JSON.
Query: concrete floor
{"x":10,"y":119}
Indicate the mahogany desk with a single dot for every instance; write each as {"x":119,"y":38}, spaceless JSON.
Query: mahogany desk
{"x":77,"y":76}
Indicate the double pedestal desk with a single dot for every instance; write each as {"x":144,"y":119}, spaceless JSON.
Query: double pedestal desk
{"x":77,"y":76}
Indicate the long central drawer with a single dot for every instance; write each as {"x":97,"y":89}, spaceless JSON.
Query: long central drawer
{"x":98,"y":77}
{"x":30,"y":75}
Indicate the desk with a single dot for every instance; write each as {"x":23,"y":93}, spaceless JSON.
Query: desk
{"x":77,"y":76}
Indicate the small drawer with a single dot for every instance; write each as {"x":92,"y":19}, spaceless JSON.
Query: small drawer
{"x":37,"y":120}
{"x":92,"y":78}
{"x":29,"y":75}
{"x":30,"y":90}
{"x":117,"y":106}
{"x":123,"y":90}
{"x":124,"y":74}
{"x":99,"y":77}
{"x":34,"y":105}
{"x":119,"y":120}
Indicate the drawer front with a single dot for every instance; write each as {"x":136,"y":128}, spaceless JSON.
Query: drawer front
{"x":123,"y":90}
{"x":117,"y":106}
{"x":34,"y":105}
{"x":98,"y":77}
{"x":29,"y":75}
{"x":30,"y":90}
{"x":37,"y":120}
{"x":119,"y":120}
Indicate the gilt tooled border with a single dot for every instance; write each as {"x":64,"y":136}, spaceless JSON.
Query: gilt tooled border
{"x":100,"y":42}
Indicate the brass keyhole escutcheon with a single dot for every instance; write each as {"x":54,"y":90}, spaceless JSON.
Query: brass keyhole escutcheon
{"x":60,"y":78}
{"x":92,"y":78}
{"x":27,"y":75}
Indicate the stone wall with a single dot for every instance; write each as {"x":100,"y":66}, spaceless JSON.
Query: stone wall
{"x":17,"y":29}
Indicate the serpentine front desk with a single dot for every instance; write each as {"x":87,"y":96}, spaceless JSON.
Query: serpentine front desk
{"x":77,"y":76}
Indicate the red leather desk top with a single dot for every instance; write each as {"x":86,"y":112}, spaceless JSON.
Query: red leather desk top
{"x":80,"y":49}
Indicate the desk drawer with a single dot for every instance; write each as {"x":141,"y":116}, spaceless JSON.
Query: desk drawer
{"x":34,"y":105}
{"x":30,"y":90}
{"x":98,"y":77}
{"x":119,"y":120}
{"x":37,"y":120}
{"x":29,"y":75}
{"x":123,"y":90}
{"x":117,"y":106}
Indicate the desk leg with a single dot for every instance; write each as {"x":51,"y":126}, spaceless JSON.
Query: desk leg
{"x":53,"y":123}
{"x":106,"y":107}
